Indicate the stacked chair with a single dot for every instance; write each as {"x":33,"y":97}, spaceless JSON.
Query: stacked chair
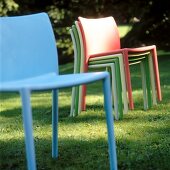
{"x":78,"y":65}
{"x":97,"y":44}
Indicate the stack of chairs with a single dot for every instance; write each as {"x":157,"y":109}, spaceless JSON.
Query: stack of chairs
{"x":96,"y":45}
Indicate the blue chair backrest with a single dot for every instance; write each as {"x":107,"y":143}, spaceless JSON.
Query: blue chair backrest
{"x":27,"y":47}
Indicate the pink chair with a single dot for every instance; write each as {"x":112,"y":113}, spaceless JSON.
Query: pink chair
{"x":101,"y":38}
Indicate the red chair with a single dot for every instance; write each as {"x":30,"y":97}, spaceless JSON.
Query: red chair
{"x":101,"y":38}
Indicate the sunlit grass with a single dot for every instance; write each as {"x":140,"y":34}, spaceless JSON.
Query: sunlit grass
{"x":123,"y":30}
{"x":142,"y":137}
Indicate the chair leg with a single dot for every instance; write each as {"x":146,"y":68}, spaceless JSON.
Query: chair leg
{"x":114,"y":91}
{"x":110,"y":123}
{"x":73,"y":95}
{"x":124,"y":90}
{"x":55,"y":123}
{"x":27,"y":122}
{"x":128,"y":80}
{"x":83,"y":104}
{"x":148,"y":83}
{"x":119,"y":90}
{"x":143,"y":73}
{"x":76,"y":110}
{"x":80,"y":98}
{"x":152,"y":80}
{"x":156,"y":70}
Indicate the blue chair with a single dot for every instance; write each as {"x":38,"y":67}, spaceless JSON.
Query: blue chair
{"x":29,"y":62}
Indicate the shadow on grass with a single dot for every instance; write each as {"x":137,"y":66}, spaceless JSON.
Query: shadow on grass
{"x":8,"y":95}
{"x":142,"y":154}
{"x":73,"y":154}
{"x":89,"y":153}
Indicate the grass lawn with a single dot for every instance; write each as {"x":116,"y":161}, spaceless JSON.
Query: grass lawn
{"x":124,"y":29}
{"x":142,"y":137}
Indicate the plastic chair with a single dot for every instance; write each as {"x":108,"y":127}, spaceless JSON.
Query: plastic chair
{"x":117,"y":59}
{"x":108,"y":59}
{"x":77,"y":43}
{"x":120,"y":76}
{"x":76,"y":107}
{"x":29,"y":62}
{"x":101,"y":38}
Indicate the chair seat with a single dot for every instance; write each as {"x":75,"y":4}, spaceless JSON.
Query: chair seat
{"x":51,"y":81}
{"x":141,"y":49}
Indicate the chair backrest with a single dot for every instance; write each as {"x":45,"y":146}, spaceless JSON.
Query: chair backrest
{"x":77,"y":41}
{"x":27,"y":47}
{"x":99,"y":35}
{"x":82,"y":50}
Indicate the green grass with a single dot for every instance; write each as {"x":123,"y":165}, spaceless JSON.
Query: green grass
{"x":142,"y":137}
{"x":124,"y":29}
